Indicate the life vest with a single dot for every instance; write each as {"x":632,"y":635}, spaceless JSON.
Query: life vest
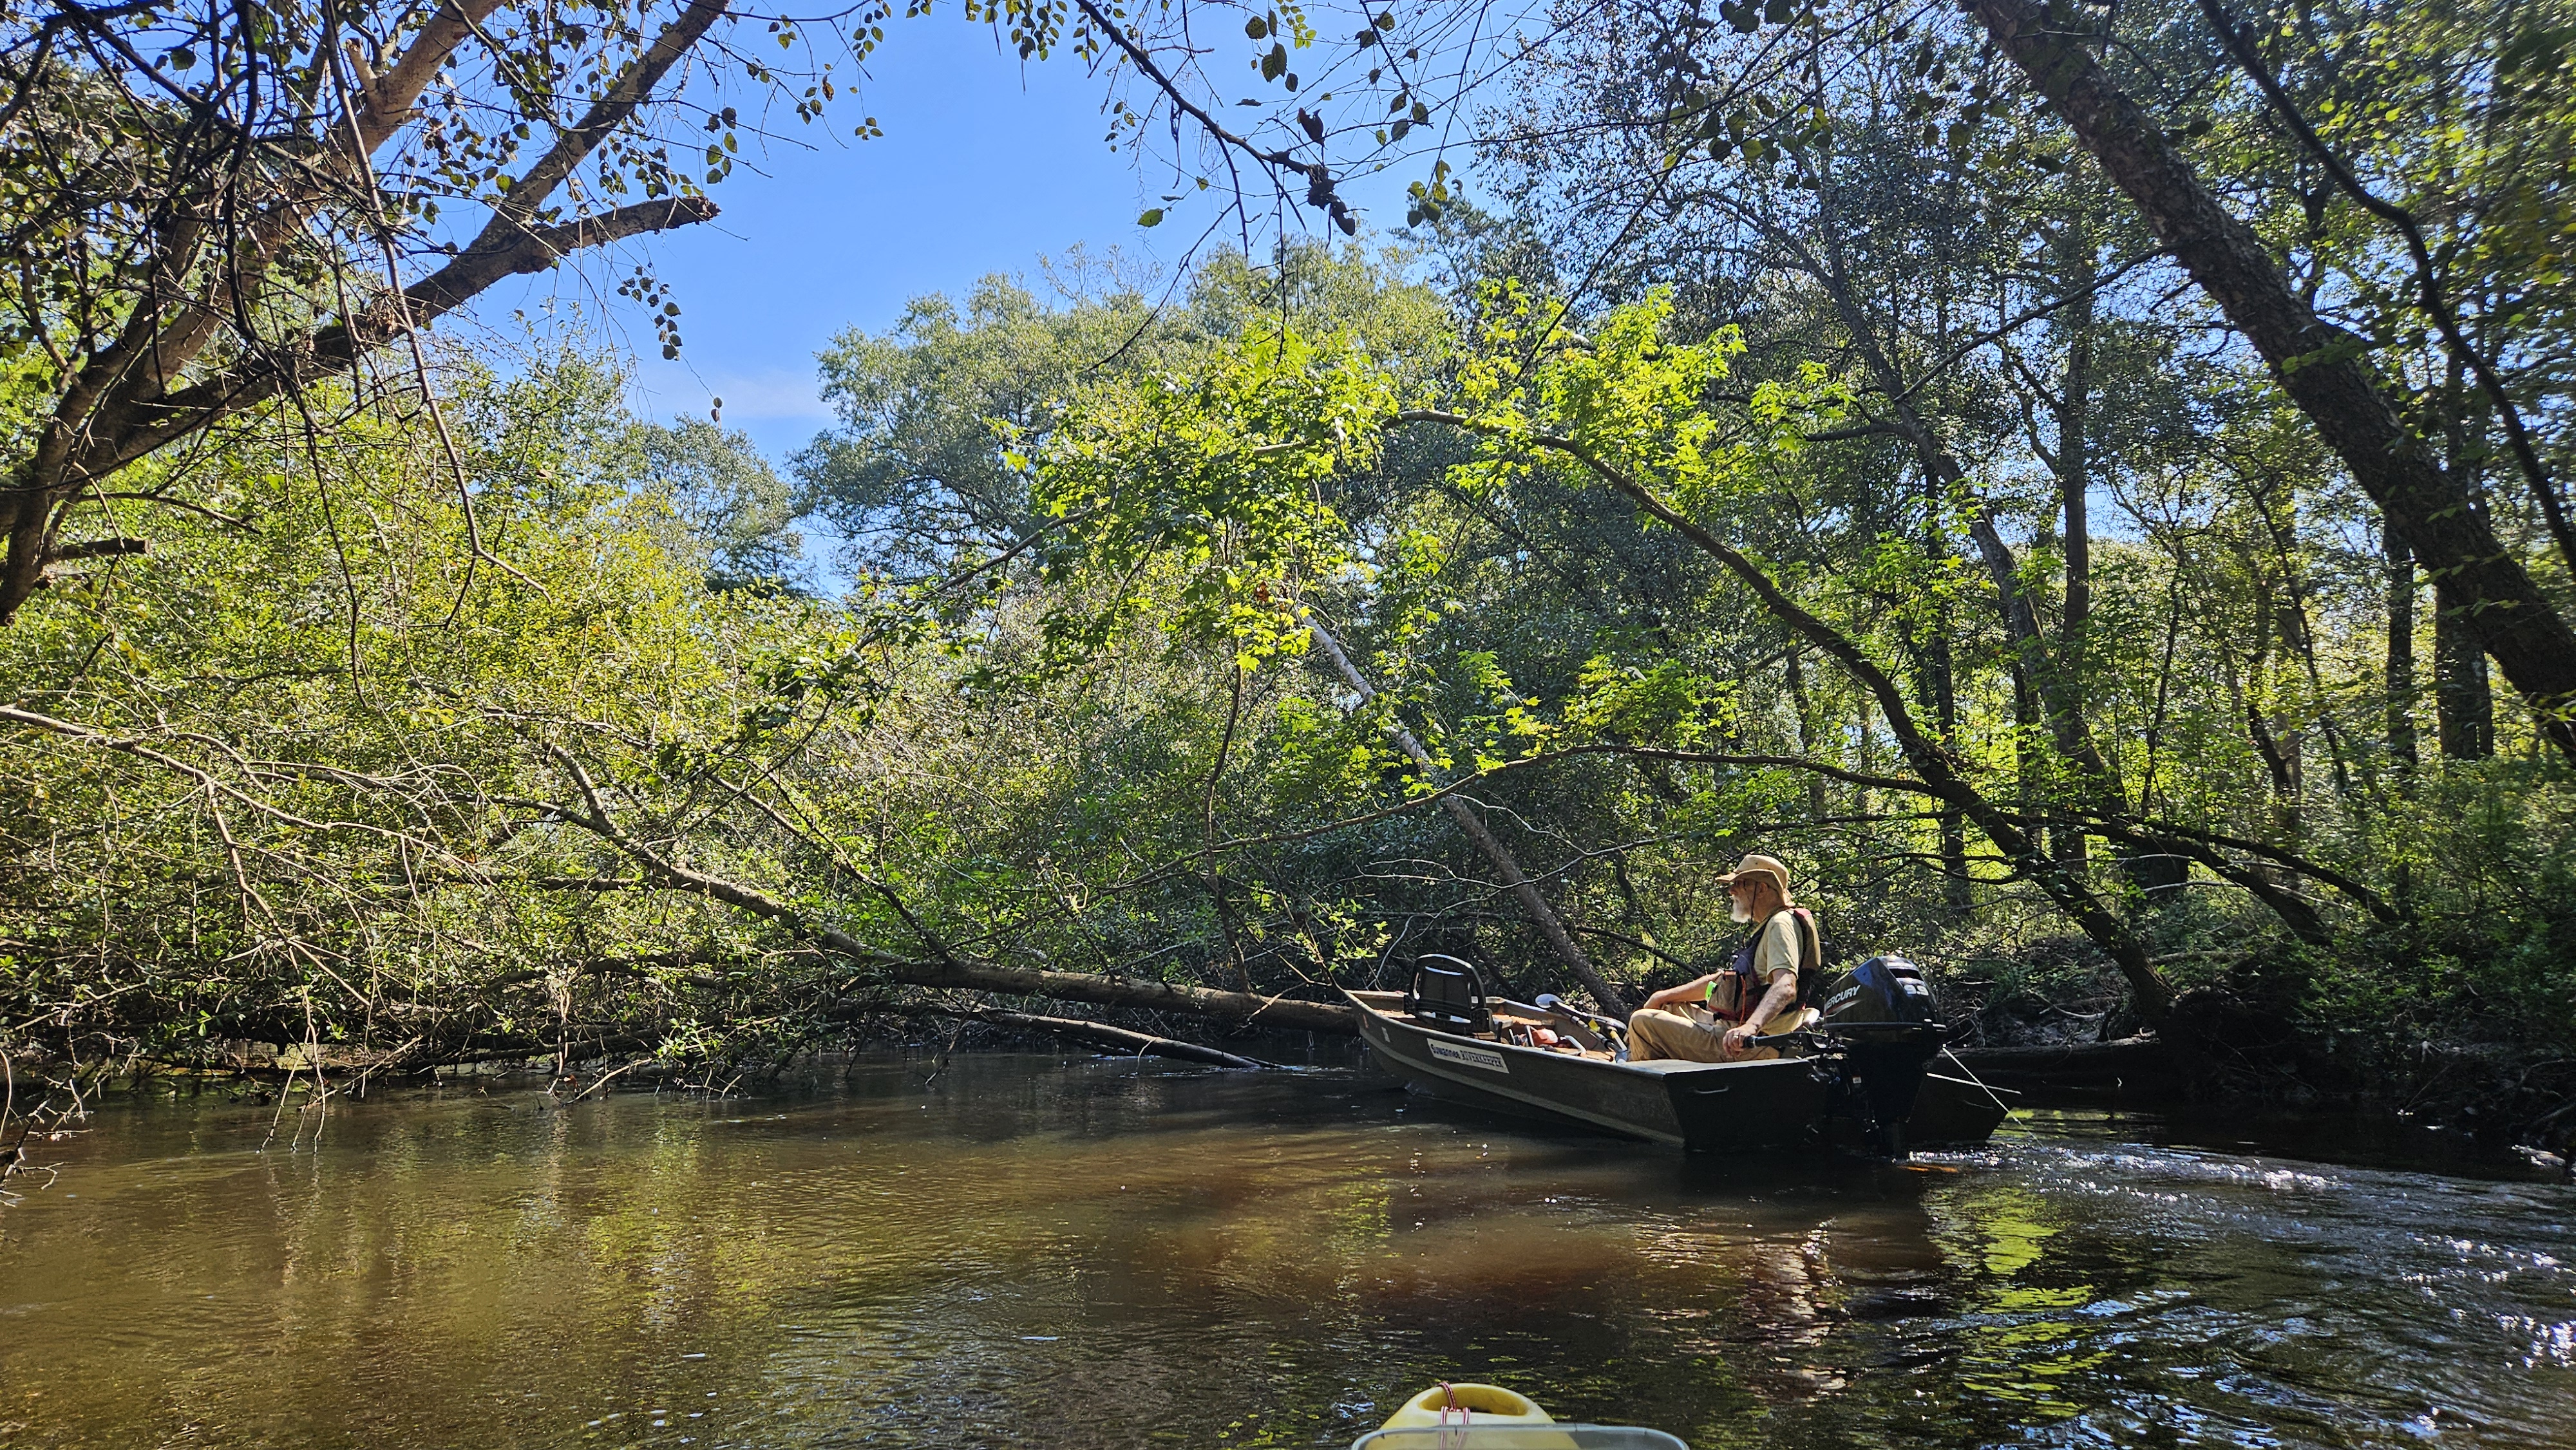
{"x":1749,"y":987}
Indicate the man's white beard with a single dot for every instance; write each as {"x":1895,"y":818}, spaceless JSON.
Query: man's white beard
{"x":1741,"y":912}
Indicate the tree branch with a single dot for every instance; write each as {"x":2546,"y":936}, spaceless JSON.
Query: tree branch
{"x":1139,"y":1044}
{"x":1938,"y":768}
{"x":955,"y":971}
{"x":338,"y":347}
{"x":2240,"y":44}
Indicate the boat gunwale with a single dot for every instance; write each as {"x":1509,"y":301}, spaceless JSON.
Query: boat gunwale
{"x":1678,"y":1067}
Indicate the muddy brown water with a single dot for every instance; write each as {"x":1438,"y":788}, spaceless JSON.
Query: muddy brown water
{"x":1064,"y":1252}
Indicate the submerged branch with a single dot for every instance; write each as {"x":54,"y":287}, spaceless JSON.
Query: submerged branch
{"x":1140,"y":1044}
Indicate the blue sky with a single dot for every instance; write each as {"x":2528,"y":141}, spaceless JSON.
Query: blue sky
{"x":986,"y":164}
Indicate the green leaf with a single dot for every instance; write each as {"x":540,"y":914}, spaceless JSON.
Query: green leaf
{"x":1151,"y":218}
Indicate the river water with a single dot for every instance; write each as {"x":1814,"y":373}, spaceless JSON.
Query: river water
{"x":1047,"y":1252}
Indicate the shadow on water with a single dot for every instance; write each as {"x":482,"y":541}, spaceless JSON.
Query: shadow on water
{"x":1042,"y":1252}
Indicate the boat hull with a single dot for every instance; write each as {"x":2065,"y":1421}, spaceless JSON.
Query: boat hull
{"x":1953,"y":1112}
{"x":1701,"y":1106}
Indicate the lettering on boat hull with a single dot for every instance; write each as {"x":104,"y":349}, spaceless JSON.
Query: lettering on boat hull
{"x":1490,"y":1061}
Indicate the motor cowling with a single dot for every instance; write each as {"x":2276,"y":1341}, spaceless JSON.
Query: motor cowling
{"x":1884,"y":999}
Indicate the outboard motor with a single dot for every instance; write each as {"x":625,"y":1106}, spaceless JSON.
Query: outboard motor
{"x":1882,"y":1010}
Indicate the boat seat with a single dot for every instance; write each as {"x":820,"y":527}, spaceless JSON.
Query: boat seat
{"x":1449,"y":994}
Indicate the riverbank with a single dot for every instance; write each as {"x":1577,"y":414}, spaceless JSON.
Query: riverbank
{"x":2459,"y":1042}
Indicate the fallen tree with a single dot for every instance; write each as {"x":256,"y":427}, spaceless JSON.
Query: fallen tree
{"x":946,"y":967}
{"x":2136,"y":1062}
{"x":1101,"y":1034}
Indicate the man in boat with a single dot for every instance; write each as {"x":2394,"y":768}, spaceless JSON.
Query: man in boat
{"x":1757,"y":991}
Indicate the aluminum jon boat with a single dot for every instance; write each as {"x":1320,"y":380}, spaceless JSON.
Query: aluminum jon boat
{"x":1548,"y":1061}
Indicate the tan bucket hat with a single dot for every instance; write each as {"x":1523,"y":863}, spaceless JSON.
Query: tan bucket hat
{"x":1760,"y":863}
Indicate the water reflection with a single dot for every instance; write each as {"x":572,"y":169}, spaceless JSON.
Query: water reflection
{"x":1043,"y":1253}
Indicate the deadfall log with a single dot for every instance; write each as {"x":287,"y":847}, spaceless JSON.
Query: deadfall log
{"x":1118,"y":1038}
{"x":2128,"y":1061}
{"x":947,"y":968}
{"x":1250,"y":1009}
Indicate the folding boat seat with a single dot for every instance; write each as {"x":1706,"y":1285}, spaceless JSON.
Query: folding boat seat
{"x":1450,"y":995}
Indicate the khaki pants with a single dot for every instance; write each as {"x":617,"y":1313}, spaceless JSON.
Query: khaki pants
{"x":1655,"y":1033}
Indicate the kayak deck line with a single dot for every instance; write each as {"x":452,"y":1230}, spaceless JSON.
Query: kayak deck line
{"x":1465,"y":1416}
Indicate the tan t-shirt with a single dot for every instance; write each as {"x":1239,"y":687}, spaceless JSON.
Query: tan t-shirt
{"x":1781,"y":948}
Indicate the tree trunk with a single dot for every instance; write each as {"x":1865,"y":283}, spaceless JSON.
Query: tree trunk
{"x":1117,"y":1039}
{"x":1249,"y":1008}
{"x":2029,"y":790}
{"x":2074,"y":479}
{"x":1524,"y":890}
{"x":2401,"y":649}
{"x":2319,"y":365}
{"x":2128,"y":1062}
{"x":1937,"y":685}
{"x":2280,"y":757}
{"x":2464,"y":701}
{"x":1808,"y":731}
{"x":1954,"y":828}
